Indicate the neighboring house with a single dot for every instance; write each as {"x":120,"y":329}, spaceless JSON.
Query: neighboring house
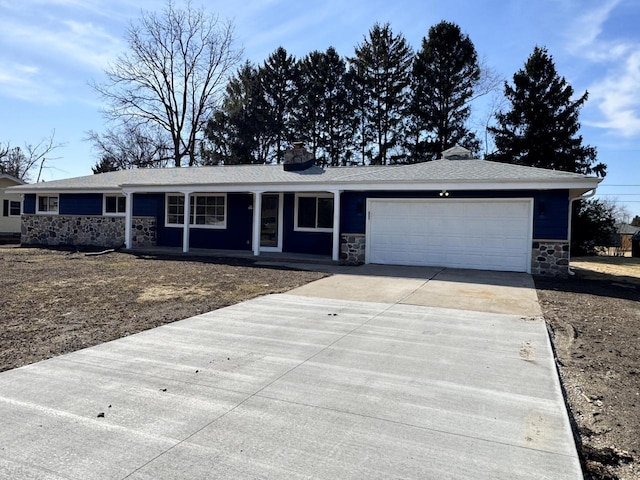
{"x":454,"y":213}
{"x":11,"y":205}
{"x":624,"y":234}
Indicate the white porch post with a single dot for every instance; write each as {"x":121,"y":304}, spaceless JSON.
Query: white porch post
{"x":336,"y":226}
{"x":128,"y":218}
{"x":187,"y":216}
{"x":257,"y":213}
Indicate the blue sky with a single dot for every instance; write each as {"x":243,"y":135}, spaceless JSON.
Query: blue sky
{"x":51,"y":49}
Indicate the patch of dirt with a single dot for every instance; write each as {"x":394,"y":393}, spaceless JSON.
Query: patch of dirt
{"x":54,"y":302}
{"x":594,"y":318}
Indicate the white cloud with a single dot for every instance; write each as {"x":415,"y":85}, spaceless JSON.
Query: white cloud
{"x":26,"y":82}
{"x":618,"y":97}
{"x":82,"y":44}
{"x":583,"y":33}
{"x":616,"y":93}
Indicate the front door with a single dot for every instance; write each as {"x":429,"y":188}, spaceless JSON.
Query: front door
{"x":271,"y":223}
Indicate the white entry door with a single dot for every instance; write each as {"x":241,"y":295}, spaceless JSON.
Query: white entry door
{"x":471,"y":233}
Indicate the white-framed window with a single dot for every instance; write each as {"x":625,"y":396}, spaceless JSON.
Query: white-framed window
{"x":15,"y":208}
{"x":206,"y":210}
{"x":314,"y":212}
{"x":113,"y":205}
{"x":47,"y":204}
{"x":11,"y":208}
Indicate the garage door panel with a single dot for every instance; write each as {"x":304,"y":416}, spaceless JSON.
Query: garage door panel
{"x":479,"y":234}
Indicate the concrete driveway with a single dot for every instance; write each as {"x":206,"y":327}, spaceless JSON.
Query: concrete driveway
{"x":394,"y":373}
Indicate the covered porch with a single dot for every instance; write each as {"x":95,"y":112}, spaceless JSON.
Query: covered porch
{"x":282,"y":223}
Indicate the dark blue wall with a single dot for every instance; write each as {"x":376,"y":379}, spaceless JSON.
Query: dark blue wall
{"x":69,"y":204}
{"x":80,"y":204}
{"x":550,"y":216}
{"x":318,"y":243}
{"x":237,"y":235}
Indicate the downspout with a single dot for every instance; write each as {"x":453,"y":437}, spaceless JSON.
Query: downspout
{"x":581,"y":197}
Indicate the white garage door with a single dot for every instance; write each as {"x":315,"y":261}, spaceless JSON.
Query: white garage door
{"x":476,"y":234}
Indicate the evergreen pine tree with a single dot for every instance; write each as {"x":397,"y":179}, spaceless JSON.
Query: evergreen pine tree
{"x":382,"y":64}
{"x":541,"y":128}
{"x":445,"y":72}
{"x":278,"y":79}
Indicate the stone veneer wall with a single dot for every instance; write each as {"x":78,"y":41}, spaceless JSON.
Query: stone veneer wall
{"x":352,"y":248}
{"x":96,"y":231}
{"x":550,"y":258}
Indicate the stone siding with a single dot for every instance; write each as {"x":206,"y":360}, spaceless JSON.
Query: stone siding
{"x":143,"y":232}
{"x":550,"y":258}
{"x":97,"y":231}
{"x":352,"y":248}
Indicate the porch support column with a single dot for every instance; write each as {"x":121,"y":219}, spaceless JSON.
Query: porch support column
{"x":257,"y":210}
{"x":336,"y":226}
{"x":187,"y":216}
{"x":128,"y":219}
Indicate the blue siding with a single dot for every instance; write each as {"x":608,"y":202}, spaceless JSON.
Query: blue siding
{"x":237,"y":235}
{"x":29,"y":204}
{"x":550,"y":217}
{"x":80,"y":204}
{"x":317,"y":243}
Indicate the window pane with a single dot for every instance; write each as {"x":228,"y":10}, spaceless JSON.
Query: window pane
{"x":306,"y":212}
{"x":110,"y":205}
{"x":209,"y":210}
{"x":47,"y":204}
{"x":175,"y":209}
{"x":14,"y":208}
{"x":122,"y":204}
{"x":325,"y":212}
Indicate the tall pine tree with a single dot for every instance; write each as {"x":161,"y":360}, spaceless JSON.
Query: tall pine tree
{"x":541,"y":127}
{"x":445,"y":72}
{"x":382,"y":64}
{"x":324,"y":116}
{"x":278,"y":78}
{"x":238,"y":132}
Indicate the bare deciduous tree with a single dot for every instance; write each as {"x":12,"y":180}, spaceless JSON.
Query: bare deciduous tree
{"x":130,"y":147}
{"x":20,"y":162}
{"x":172,"y":75}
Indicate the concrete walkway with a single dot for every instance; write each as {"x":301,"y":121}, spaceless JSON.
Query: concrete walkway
{"x":309,"y":384}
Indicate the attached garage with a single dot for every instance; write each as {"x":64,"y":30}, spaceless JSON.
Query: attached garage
{"x":487,"y":234}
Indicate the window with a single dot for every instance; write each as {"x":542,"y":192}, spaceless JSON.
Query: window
{"x":115,"y":205}
{"x":205,"y":211}
{"x":314,"y":212}
{"x":175,"y":210}
{"x":10,"y":208}
{"x":47,"y":204}
{"x":14,"y":208}
{"x":209,"y":211}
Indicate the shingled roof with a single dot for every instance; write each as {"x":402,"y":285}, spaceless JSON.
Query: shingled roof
{"x":420,"y":175}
